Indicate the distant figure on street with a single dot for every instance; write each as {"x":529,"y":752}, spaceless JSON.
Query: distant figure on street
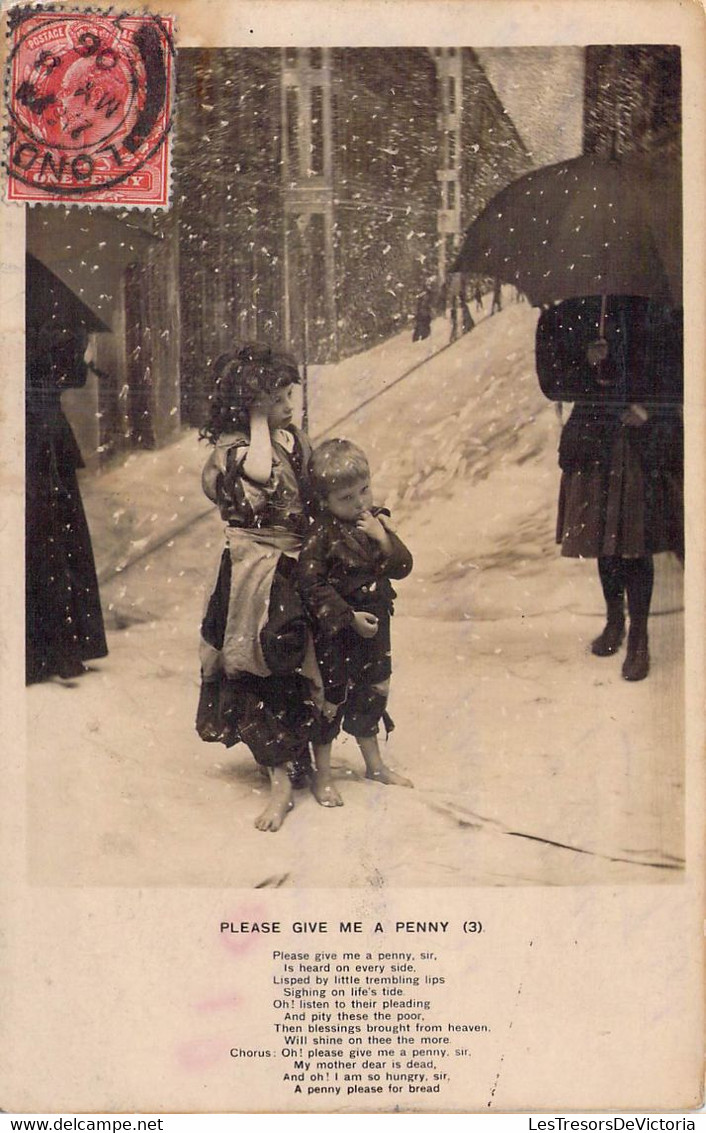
{"x":467,"y":323}
{"x":478,"y":297}
{"x":497,"y":303}
{"x":454,"y":319}
{"x":422,"y":318}
{"x":457,"y":294}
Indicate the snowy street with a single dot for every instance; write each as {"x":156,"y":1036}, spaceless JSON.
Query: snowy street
{"x":533,"y":762}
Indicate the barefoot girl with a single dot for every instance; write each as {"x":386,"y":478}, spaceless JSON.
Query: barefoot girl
{"x":345,"y":567}
{"x":255,"y":646}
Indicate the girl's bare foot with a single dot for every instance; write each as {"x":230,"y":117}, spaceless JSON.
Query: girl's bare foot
{"x":273,"y":815}
{"x":324,"y":791}
{"x":385,"y":774}
{"x":280,"y":802}
{"x":322,"y":784}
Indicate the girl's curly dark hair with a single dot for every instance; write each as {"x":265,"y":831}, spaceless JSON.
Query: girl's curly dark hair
{"x":240,"y":377}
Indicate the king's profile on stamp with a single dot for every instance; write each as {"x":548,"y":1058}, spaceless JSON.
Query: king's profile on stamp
{"x":90,"y":108}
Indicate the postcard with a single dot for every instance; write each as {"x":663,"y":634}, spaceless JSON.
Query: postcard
{"x":353,"y":556}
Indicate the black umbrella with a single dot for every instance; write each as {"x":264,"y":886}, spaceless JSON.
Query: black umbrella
{"x":57,"y":325}
{"x":49,"y":301}
{"x":589,"y":226}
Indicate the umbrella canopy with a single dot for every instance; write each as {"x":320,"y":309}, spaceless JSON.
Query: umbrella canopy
{"x":57,"y":326}
{"x":588,"y":226}
{"x":49,"y":300}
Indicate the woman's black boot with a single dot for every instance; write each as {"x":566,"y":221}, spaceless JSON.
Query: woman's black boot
{"x":610,"y":571}
{"x":610,"y":640}
{"x":639,"y":578}
{"x":636,"y":665}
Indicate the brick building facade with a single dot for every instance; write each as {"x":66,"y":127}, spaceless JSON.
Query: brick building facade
{"x":316,"y":192}
{"x":228,"y":207}
{"x":322,"y":188}
{"x":358,"y":193}
{"x":632,"y":98}
{"x":480,"y":149}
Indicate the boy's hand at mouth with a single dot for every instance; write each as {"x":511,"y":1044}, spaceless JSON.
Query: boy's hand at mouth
{"x":370,"y":525}
{"x":364,"y":623}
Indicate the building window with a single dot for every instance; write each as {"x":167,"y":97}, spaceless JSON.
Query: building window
{"x":316,"y":163}
{"x":451,"y":194}
{"x":290,"y":56}
{"x":452,"y":96}
{"x":450,"y":150}
{"x":292,"y":114}
{"x":316,"y":57}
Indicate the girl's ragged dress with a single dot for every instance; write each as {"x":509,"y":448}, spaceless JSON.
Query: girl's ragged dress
{"x":258,"y":670}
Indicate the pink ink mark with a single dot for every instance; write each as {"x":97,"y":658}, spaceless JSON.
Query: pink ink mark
{"x":199,"y":1054}
{"x":242,"y":941}
{"x":219,"y":1003}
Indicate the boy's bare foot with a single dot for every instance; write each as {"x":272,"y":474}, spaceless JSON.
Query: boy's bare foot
{"x":280,"y":802}
{"x":385,"y":774}
{"x":324,"y":791}
{"x":375,"y":768}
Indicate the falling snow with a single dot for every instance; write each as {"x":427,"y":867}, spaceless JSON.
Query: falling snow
{"x":499,"y":709}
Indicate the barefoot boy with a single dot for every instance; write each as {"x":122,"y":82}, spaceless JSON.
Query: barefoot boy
{"x":345,"y":567}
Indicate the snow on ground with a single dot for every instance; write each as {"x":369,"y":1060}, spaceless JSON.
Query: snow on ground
{"x":533,"y":761}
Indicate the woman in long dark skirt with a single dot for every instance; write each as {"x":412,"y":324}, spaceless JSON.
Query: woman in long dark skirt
{"x":621,"y":500}
{"x":64,"y":622}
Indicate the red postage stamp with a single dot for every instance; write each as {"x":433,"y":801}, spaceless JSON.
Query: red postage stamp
{"x":90,"y":108}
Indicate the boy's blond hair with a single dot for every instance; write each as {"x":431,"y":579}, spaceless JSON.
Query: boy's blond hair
{"x":337,"y":463}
